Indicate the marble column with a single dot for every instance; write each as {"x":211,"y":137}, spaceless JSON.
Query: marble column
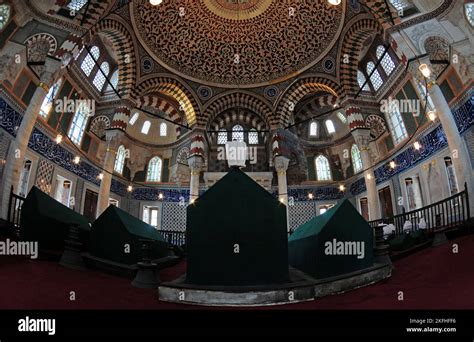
{"x":457,"y":147}
{"x":113,"y":138}
{"x":362,"y":139}
{"x":281,"y":166}
{"x":195,"y":162}
{"x":18,"y":147}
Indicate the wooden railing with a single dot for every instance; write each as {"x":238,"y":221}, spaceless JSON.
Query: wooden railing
{"x":174,"y":237}
{"x":14,"y":210}
{"x":448,"y":213}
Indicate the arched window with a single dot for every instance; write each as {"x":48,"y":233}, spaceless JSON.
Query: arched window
{"x":99,"y":79}
{"x":313,"y":129}
{"x":154,"y":170}
{"x":330,"y":127}
{"x":146,"y":127}
{"x":425,"y":95}
{"x":323,"y":171}
{"x":238,"y":133}
{"x":134,"y":119}
{"x":88,"y":62}
{"x":469,"y":8}
{"x":342,"y":117}
{"x":356,"y":159}
{"x":396,"y":124}
{"x":5,"y":11}
{"x":361,"y":80}
{"x":222,"y":136}
{"x":253,"y":137}
{"x":76,"y":5}
{"x":120,"y":159}
{"x":79,"y":123}
{"x":387,"y":63}
{"x":375,"y":78}
{"x":163,"y":130}
{"x":114,"y":81}
{"x":49,"y":99}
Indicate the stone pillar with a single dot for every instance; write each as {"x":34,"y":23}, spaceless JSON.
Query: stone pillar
{"x":362,"y":138}
{"x":196,"y":162}
{"x":457,"y":147}
{"x":113,"y":138}
{"x":281,"y":166}
{"x":18,"y":147}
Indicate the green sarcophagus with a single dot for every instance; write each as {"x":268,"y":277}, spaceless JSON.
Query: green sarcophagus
{"x":116,"y":237}
{"x":336,"y":242}
{"x":236,"y":235}
{"x":47,"y":221}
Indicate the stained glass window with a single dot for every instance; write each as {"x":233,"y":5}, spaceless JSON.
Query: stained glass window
{"x":323,"y":170}
{"x":88,"y":62}
{"x":99,"y":79}
{"x":238,"y":133}
{"x":222,"y":136}
{"x":253,"y":137}
{"x":313,"y":129}
{"x":154,"y":170}
{"x":356,"y":158}
{"x":4,"y":15}
{"x":387,"y":63}
{"x":375,"y":77}
{"x":120,"y":159}
{"x":361,"y":80}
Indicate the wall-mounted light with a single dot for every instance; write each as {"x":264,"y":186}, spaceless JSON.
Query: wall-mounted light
{"x":101,"y":176}
{"x":425,"y":70}
{"x":155,"y":2}
{"x":77,"y":160}
{"x":342,"y":188}
{"x":334,"y":2}
{"x":417,"y":145}
{"x":160,"y":196}
{"x":59,"y":139}
{"x":392,"y":164}
{"x":432,"y":115}
{"x":369,"y":176}
{"x":130,"y":188}
{"x":310,"y":196}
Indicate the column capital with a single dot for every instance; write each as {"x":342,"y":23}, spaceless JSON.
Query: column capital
{"x":281,"y":164}
{"x":196,"y":163}
{"x":114,"y":137}
{"x":362,"y":137}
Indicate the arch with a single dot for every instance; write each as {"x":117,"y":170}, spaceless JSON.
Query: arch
{"x":352,"y":45}
{"x":300,"y":89}
{"x":99,"y":124}
{"x":173,"y":88}
{"x":233,"y":99}
{"x":122,"y":43}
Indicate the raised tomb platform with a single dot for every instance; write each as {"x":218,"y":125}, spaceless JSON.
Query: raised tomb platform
{"x":238,"y":251}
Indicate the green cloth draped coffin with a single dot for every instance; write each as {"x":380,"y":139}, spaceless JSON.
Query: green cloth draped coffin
{"x":236,"y":235}
{"x":336,"y":242}
{"x":47,"y":221}
{"x":116,"y":237}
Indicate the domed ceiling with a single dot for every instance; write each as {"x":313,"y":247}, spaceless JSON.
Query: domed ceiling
{"x":237,"y":42}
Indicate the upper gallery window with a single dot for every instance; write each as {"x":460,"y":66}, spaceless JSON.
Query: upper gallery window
{"x":387,"y":63}
{"x":238,"y":133}
{"x":375,"y":77}
{"x":313,"y":129}
{"x":49,"y":99}
{"x":120,"y":159}
{"x":397,"y":126}
{"x":154,"y":170}
{"x":5,"y":11}
{"x":163,"y":130}
{"x":99,"y":79}
{"x":323,"y":171}
{"x":76,"y":5}
{"x":78,"y":125}
{"x":356,"y":158}
{"x":362,"y":81}
{"x":134,"y":119}
{"x":253,"y":137}
{"x":146,"y":127}
{"x":222,"y":136}
{"x":469,"y":8}
{"x":342,"y":117}
{"x":330,"y":127}
{"x":88,"y":62}
{"x":113,"y":81}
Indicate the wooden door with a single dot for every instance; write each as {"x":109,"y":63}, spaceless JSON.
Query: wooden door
{"x":386,"y":205}
{"x":90,"y":205}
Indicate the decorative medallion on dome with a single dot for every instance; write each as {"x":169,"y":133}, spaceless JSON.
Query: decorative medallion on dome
{"x":237,"y":42}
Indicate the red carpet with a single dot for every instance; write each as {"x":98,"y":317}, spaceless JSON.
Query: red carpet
{"x":434,"y":278}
